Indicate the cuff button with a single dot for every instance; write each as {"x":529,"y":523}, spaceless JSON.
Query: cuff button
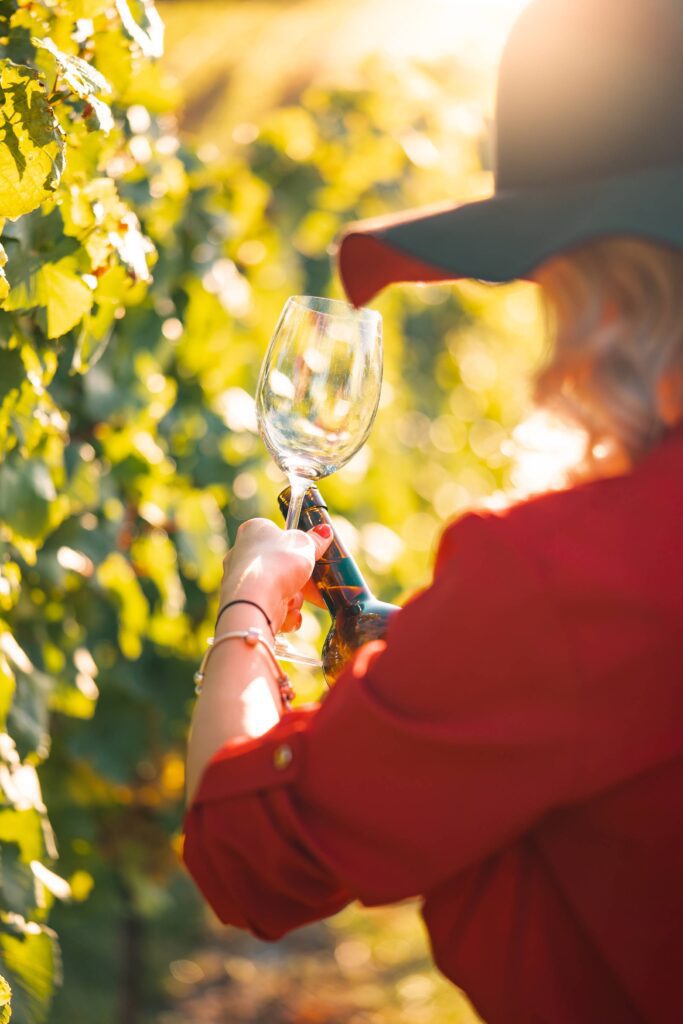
{"x":282,"y":756}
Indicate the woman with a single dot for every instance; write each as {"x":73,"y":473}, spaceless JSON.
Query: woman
{"x":513,"y":753}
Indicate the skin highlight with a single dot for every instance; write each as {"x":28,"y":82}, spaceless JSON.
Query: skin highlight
{"x":240,"y":698}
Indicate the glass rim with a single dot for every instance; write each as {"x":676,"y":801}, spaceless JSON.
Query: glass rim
{"x":350,"y":312}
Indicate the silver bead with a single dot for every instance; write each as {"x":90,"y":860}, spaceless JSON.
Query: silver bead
{"x":283,"y":757}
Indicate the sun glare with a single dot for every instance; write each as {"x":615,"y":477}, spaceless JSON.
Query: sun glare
{"x":473,"y":30}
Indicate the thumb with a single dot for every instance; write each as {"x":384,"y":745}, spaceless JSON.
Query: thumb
{"x":322,"y":537}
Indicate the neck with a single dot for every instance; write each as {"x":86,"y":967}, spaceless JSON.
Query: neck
{"x":336,"y":575}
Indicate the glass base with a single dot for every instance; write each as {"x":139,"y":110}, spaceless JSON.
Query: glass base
{"x":285,"y":651}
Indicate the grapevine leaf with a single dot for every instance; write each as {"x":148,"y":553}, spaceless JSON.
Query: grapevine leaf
{"x":30,"y":959}
{"x":5,"y":1001}
{"x":26,"y":491}
{"x":143,"y":25}
{"x":28,"y":718}
{"x":24,"y":280}
{"x":12,"y":372}
{"x":17,"y":881}
{"x":40,"y":234}
{"x":7,"y":679}
{"x":93,"y":339}
{"x":32,"y":147}
{"x":67,"y":297}
{"x":132,"y":246}
{"x":55,"y":286}
{"x":28,"y":721}
{"x":100,"y":115}
{"x":83,"y":80}
{"x":4,"y":284}
{"x":81,"y":77}
{"x":24,"y":828}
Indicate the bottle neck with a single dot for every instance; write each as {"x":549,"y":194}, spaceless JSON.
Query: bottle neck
{"x":335,"y":574}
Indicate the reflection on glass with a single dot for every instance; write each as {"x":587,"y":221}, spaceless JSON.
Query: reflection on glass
{"x":319,"y":388}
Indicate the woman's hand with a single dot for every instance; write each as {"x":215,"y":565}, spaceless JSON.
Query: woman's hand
{"x":272,"y":567}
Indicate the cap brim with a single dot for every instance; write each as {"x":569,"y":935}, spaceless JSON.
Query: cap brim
{"x":510,"y":234}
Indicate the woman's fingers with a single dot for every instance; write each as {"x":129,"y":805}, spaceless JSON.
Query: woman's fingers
{"x":322,"y":537}
{"x":273,"y":566}
{"x":292,"y":620}
{"x":311,"y":593}
{"x":293,"y":617}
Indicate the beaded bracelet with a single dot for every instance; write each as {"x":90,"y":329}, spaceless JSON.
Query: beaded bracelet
{"x":252,"y":637}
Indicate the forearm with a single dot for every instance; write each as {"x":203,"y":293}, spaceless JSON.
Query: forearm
{"x":240,"y":696}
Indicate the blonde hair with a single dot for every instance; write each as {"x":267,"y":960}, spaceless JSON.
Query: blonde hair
{"x":616,"y":313}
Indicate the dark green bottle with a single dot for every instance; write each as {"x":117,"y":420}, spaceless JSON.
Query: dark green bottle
{"x":357,"y":615}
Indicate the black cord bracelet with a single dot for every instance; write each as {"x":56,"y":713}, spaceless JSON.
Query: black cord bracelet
{"x":244,"y":601}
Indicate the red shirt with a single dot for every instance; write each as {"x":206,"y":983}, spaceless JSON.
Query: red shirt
{"x":513,"y":754}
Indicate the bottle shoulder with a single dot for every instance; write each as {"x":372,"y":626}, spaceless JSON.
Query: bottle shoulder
{"x":367,"y":608}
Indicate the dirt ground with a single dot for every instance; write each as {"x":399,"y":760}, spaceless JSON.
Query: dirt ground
{"x":361,"y":967}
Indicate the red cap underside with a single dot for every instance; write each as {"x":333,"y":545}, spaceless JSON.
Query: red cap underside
{"x":367,"y":265}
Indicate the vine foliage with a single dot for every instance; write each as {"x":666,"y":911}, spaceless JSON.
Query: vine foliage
{"x":84,"y":130}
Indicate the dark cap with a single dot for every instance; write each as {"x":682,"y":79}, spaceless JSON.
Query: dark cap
{"x":589,"y":143}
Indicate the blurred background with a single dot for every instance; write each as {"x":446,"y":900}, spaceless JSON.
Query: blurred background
{"x":294,"y":118}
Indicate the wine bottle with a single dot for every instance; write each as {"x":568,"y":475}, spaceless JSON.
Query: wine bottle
{"x":357,"y":615}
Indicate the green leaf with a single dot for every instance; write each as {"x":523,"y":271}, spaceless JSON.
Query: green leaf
{"x":7,"y":687}
{"x":25,"y":828}
{"x":17,"y":881}
{"x":32,"y":147}
{"x":26,"y":491}
{"x":5,"y":1001}
{"x":30,"y":960}
{"x":67,"y":297}
{"x":12,"y":373}
{"x":83,"y":80}
{"x":56,"y":287}
{"x":93,"y":339}
{"x":41,"y":234}
{"x":28,"y":719}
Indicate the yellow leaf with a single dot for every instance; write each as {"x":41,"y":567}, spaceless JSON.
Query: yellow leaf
{"x":31,"y":141}
{"x":68,"y":299}
{"x":4,"y":283}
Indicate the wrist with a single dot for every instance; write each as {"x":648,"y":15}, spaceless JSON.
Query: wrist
{"x":239,"y":602}
{"x":270,"y":607}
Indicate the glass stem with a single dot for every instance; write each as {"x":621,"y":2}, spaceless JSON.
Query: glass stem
{"x":298,"y":485}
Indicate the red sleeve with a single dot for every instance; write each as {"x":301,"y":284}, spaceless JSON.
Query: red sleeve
{"x":432,"y":751}
{"x":247,"y":846}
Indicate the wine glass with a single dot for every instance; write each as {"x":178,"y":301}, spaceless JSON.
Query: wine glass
{"x":318,"y":392}
{"x":319,"y":389}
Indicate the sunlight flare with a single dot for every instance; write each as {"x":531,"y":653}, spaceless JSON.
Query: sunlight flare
{"x":472,"y":30}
